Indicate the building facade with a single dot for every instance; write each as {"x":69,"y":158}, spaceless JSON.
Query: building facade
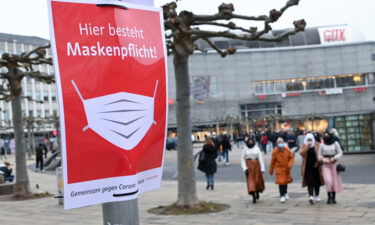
{"x":314,"y":81}
{"x":38,"y":91}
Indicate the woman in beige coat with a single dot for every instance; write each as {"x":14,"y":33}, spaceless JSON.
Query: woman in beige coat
{"x":311,"y":168}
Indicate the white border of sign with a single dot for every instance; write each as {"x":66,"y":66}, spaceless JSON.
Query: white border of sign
{"x":87,"y":192}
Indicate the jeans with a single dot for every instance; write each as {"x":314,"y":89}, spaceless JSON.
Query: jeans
{"x":210,"y":179}
{"x":9,"y":178}
{"x":264,"y":148}
{"x":283,"y":189}
{"x":226,"y":155}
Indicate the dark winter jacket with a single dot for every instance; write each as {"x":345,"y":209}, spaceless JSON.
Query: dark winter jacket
{"x":208,"y":165}
{"x":225,"y":144}
{"x":40,"y":150}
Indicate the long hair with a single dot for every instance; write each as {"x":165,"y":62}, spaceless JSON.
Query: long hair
{"x":209,"y":141}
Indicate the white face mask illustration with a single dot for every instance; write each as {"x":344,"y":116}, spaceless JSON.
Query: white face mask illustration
{"x":122,"y":118}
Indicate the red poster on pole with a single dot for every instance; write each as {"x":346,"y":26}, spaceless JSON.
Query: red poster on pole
{"x":110,"y":65}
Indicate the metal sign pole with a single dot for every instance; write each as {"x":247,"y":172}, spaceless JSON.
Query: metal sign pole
{"x":124,"y":212}
{"x":121,"y":213}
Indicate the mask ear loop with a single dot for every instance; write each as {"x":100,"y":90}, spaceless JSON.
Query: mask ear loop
{"x":80,"y":96}
{"x":156,"y":87}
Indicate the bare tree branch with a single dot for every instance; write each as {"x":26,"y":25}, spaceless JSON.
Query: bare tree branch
{"x":44,"y":77}
{"x":39,"y":51}
{"x":229,"y":51}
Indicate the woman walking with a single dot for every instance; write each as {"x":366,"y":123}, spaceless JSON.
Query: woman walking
{"x":253,"y":165}
{"x":311,"y":168}
{"x":329,"y":153}
{"x":282,"y":162}
{"x":207,"y":162}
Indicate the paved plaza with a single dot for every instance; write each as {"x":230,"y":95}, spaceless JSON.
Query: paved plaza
{"x":356,"y":205}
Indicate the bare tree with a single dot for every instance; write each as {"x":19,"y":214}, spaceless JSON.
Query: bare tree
{"x":183,"y":29}
{"x":16,"y":68}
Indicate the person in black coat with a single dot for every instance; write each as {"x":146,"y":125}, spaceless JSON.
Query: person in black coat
{"x":226,"y":147}
{"x":39,"y":151}
{"x":207,"y":162}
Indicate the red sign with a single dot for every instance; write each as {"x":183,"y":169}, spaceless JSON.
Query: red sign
{"x":360,"y":89}
{"x":262,"y":97}
{"x":111,"y":75}
{"x":333,"y":35}
{"x":293,"y":94}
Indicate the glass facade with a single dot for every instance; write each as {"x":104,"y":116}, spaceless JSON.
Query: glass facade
{"x":314,"y":83}
{"x":251,"y":111}
{"x":356,"y":132}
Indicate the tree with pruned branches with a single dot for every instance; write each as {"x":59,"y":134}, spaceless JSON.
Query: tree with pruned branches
{"x":183,"y":29}
{"x":18,"y":66}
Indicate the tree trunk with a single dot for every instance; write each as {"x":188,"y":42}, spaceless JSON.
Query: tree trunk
{"x":187,"y":193}
{"x":22,"y":179}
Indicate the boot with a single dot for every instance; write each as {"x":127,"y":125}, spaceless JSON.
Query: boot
{"x":329,"y":200}
{"x":208,"y":186}
{"x":212,"y":186}
{"x":333,"y":198}
{"x":254,"y":197}
{"x":257,"y":195}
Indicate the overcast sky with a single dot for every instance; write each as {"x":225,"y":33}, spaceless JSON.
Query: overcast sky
{"x":29,"y":17}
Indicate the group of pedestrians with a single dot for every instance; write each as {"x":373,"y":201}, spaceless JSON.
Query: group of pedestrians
{"x":319,"y":167}
{"x":319,"y":164}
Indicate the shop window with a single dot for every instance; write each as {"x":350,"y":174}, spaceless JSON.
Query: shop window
{"x":350,"y":81}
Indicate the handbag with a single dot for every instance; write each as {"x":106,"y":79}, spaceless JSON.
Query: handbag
{"x":340,"y":168}
{"x":202,"y":156}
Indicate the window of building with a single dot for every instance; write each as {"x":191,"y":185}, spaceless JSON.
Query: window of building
{"x":45,"y":96}
{"x":352,"y":80}
{"x":31,"y":113}
{"x":373,"y":56}
{"x":266,"y":44}
{"x":252,"y":44}
{"x":314,"y":83}
{"x":39,"y":113}
{"x":38,"y":96}
{"x":222,"y":44}
{"x":6,"y":115}
{"x":251,"y":111}
{"x":53,"y":96}
{"x":355,"y":132}
{"x":46,"y":113}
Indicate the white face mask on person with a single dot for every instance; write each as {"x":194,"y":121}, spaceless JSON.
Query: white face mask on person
{"x":122,"y":119}
{"x":281,"y":145}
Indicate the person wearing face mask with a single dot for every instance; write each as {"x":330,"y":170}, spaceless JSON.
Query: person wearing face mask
{"x":253,"y":165}
{"x":329,"y":153}
{"x":311,"y":169}
{"x":282,"y":162}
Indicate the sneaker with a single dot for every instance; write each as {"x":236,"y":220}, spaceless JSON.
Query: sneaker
{"x":287,"y":196}
{"x":282,"y":199}
{"x":227,"y":164}
{"x":317,"y":198}
{"x":311,"y":200}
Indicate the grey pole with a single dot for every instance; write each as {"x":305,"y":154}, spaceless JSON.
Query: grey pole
{"x":121,"y":213}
